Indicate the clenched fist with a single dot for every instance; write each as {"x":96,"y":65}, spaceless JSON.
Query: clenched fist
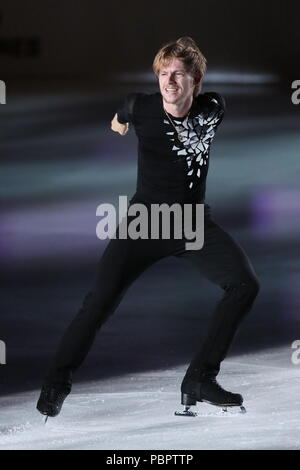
{"x":116,"y":126}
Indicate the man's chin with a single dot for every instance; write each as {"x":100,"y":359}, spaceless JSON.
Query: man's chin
{"x":170,"y":98}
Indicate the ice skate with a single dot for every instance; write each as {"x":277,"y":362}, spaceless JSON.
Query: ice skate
{"x":51,"y":400}
{"x":209,"y":391}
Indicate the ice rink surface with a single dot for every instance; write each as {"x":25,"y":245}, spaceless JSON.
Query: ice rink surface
{"x":59,"y":161}
{"x":137,"y":412}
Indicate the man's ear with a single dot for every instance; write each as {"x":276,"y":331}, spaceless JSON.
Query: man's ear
{"x":198,"y":79}
{"x":198,"y":83}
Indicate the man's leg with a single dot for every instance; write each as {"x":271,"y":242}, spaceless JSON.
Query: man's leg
{"x":121,"y":263}
{"x":222,"y":261}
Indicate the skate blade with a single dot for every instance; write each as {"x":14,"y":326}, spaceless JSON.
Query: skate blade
{"x":242,"y":408}
{"x":186,"y":413}
{"x":190,"y":413}
{"x":224,"y":406}
{"x":44,"y":417}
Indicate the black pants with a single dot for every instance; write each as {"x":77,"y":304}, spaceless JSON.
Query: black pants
{"x":221,"y":260}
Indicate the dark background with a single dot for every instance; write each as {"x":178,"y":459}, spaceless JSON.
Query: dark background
{"x":95,"y":39}
{"x":67,"y":66}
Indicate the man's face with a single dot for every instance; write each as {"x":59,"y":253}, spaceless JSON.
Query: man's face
{"x":175,"y":83}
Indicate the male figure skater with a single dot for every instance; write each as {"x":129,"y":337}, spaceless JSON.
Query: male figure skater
{"x":175,"y":127}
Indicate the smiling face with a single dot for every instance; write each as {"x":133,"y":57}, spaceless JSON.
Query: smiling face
{"x":176,"y":83}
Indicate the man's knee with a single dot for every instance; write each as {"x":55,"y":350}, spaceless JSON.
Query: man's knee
{"x":250,"y":287}
{"x":247,"y":288}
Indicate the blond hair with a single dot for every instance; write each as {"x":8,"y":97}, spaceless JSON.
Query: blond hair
{"x":187,"y":50}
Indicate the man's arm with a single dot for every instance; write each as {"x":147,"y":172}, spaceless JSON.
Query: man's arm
{"x":116,"y":126}
{"x":125,"y":114}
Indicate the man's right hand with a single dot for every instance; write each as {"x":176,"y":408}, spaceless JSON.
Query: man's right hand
{"x":116,"y":126}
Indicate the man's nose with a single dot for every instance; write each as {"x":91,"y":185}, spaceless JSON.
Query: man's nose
{"x":171,"y":79}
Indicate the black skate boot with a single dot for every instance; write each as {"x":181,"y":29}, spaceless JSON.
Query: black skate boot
{"x":207,"y":390}
{"x":51,"y":400}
